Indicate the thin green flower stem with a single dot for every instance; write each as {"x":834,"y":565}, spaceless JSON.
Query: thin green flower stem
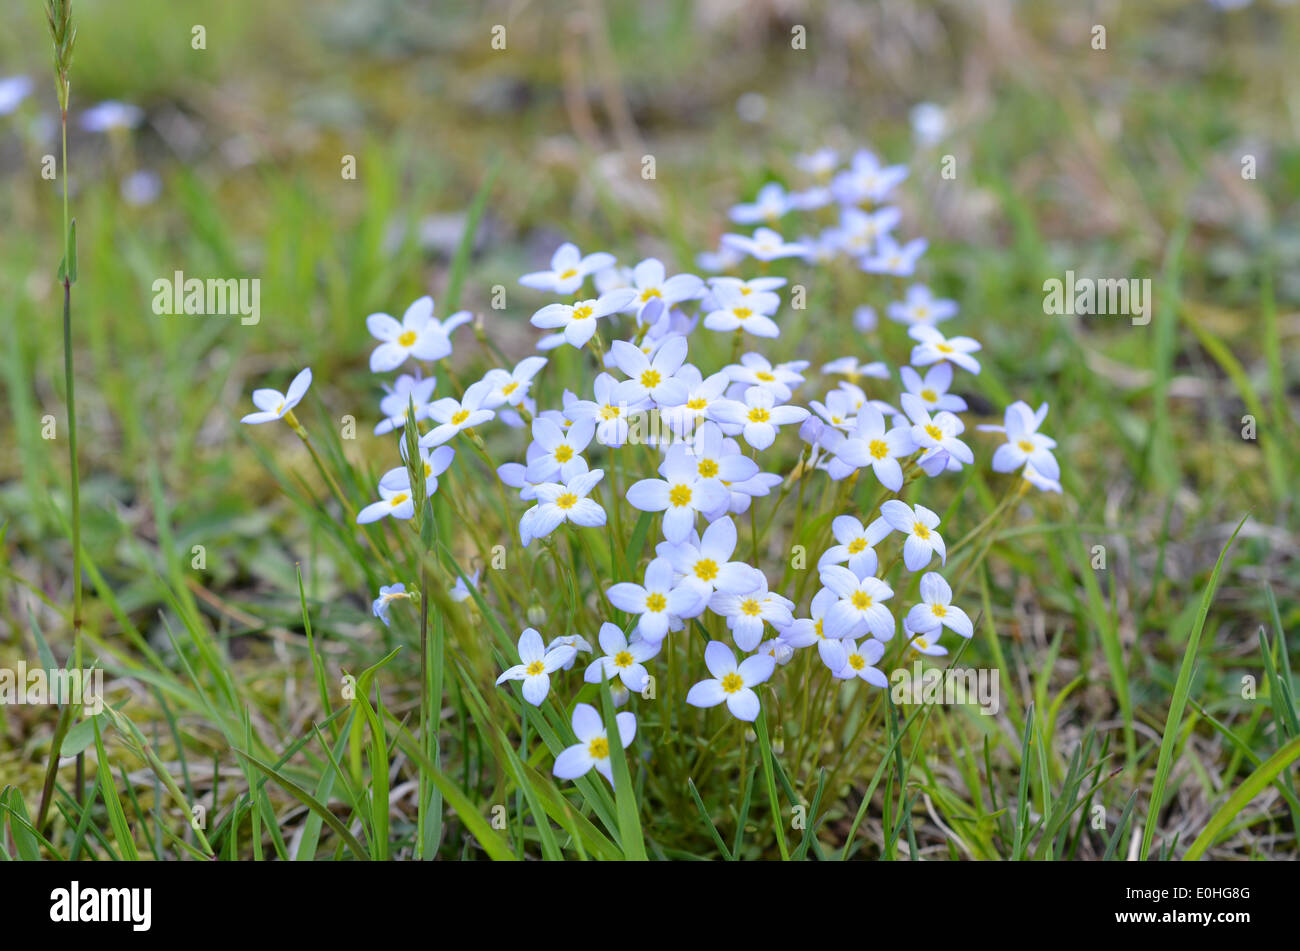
{"x":856,"y":766}
{"x":669,"y":735}
{"x":805,"y":678}
{"x":488,"y":343}
{"x":891,"y":663}
{"x":837,"y":502}
{"x":770,"y":780}
{"x":519,"y":793}
{"x":426,"y":700}
{"x":798,"y":525}
{"x":824,"y":734}
{"x":740,"y":728}
{"x":476,"y":444}
{"x":1013,"y":492}
{"x":563,"y":566}
{"x":867,"y":719}
{"x":455,"y":380}
{"x":615,"y":472}
{"x":776,"y":506}
{"x":301,"y":433}
{"x":585,"y":544}
{"x":988,"y":535}
{"x":503,"y":593}
{"x":69,"y":379}
{"x":707,"y":753}
{"x":818,"y":695}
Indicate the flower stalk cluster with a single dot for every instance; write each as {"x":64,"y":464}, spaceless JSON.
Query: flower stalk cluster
{"x":726,"y":439}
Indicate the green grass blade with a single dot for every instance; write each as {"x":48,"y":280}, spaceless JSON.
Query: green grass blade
{"x":1179,"y":702}
{"x":1253,"y":785}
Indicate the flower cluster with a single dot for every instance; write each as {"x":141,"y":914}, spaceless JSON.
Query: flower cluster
{"x":726,"y":436}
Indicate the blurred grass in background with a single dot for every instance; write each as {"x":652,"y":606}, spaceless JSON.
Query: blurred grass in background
{"x":1125,"y":162}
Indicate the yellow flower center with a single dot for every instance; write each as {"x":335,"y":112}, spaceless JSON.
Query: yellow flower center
{"x":651,"y":379}
{"x":759,"y":415}
{"x":563,"y":452}
{"x":598,"y":748}
{"x":920,"y":530}
{"x":818,"y":628}
{"x":930,"y":396}
{"x":581,"y":313}
{"x":459,"y":416}
{"x":857,"y":545}
{"x":567,"y":501}
{"x":407,"y":338}
{"x":398,"y":499}
{"x":939,"y":610}
{"x":879,"y":448}
{"x":745,"y":291}
{"x":651,"y":292}
{"x":697,"y":404}
{"x":751,"y":607}
{"x":933,"y":431}
{"x":741,"y":312}
{"x":943,"y":348}
{"x":655,"y":602}
{"x":623,"y":659}
{"x":857,"y":661}
{"x":428,"y":470}
{"x":707,"y":468}
{"x":706,"y":569}
{"x":509,"y":387}
{"x":922,"y":643}
{"x":1025,"y":445}
{"x":732,"y":682}
{"x":861,"y":600}
{"x":571,"y":272}
{"x":609,"y":412}
{"x":764,"y":376}
{"x":535,"y":668}
{"x":679,"y":495}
